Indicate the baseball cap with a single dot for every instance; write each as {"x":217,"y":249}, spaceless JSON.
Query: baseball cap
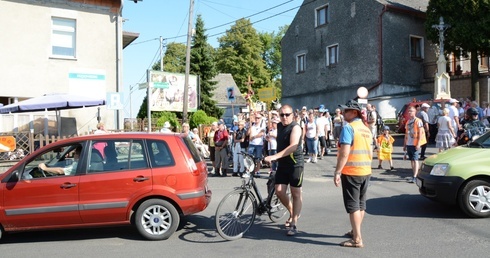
{"x":453,"y":101}
{"x":221,"y":123}
{"x":304,"y":108}
{"x":321,"y":108}
{"x":425,"y":105}
{"x":351,"y":104}
{"x":215,"y":123}
{"x":386,"y":128}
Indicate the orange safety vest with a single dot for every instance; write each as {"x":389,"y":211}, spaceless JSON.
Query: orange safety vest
{"x":416,"y":131}
{"x":361,"y":155}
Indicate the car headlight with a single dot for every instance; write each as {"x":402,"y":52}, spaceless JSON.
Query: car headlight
{"x":439,"y":169}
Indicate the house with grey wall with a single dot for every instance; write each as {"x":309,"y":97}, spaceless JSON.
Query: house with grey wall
{"x":231,"y":107}
{"x":333,"y":47}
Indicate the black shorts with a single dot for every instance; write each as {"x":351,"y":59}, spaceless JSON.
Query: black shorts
{"x":323,"y":143}
{"x":354,"y":190}
{"x":289,"y":176}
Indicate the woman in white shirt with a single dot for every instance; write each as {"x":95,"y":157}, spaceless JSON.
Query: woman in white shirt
{"x":445,"y":137}
{"x":312,"y":138}
{"x":272,"y":141}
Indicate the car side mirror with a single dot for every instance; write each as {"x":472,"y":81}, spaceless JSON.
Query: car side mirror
{"x":14,"y":177}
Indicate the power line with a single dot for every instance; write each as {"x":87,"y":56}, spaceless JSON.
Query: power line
{"x":246,"y":17}
{"x":266,"y":18}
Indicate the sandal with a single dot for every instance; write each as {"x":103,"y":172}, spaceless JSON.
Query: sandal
{"x":292,"y":231}
{"x":352,"y":243}
{"x":288,"y":223}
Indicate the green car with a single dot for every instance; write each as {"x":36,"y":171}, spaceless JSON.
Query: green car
{"x":460,"y":176}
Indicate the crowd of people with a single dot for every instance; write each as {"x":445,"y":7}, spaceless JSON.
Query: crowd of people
{"x":287,"y":139}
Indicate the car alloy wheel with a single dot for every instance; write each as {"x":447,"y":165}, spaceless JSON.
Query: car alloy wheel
{"x":156,"y":219}
{"x":474,"y":199}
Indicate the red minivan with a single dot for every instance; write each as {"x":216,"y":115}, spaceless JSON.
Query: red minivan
{"x":403,"y":116}
{"x":149,"y":180}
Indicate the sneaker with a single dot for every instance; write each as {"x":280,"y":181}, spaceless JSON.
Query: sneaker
{"x":380,"y":167}
{"x":392,"y":168}
{"x":411,"y":180}
{"x":308,"y":160}
{"x":315,"y":160}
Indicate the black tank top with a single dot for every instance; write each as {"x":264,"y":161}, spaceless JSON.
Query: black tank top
{"x":295,"y":159}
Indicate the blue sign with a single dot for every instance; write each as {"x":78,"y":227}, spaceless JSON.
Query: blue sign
{"x":230,"y":92}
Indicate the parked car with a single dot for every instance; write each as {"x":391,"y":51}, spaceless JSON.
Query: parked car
{"x":460,"y":176}
{"x":403,"y":116}
{"x":149,"y":180}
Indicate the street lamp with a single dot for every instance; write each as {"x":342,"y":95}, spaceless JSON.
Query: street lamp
{"x":362,"y":94}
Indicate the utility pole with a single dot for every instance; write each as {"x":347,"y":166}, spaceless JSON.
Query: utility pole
{"x":161,"y":53}
{"x":187,"y":64}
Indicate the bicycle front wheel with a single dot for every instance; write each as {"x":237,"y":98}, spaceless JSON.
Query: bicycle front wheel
{"x":235,"y":214}
{"x":277,"y":209}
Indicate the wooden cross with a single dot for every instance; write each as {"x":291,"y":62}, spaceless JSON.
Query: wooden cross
{"x":250,"y":93}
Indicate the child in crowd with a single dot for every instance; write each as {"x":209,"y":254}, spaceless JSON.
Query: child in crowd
{"x":384,"y":143}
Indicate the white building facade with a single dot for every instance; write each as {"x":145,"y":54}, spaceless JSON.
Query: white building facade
{"x":57,"y":46}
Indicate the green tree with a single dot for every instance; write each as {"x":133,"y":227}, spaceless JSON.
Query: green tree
{"x":271,"y":52}
{"x":240,"y":54}
{"x":202,"y":64}
{"x":174,"y":59}
{"x":469,"y":32}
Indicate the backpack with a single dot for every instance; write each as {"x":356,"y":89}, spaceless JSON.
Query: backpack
{"x":379,"y":119}
{"x":379,"y":123}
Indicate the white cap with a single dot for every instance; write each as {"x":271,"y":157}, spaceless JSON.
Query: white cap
{"x":425,"y":105}
{"x":166,"y":124}
{"x":304,"y":108}
{"x":453,"y":101}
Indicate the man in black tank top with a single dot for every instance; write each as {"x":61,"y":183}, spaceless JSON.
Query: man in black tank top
{"x":290,"y":166}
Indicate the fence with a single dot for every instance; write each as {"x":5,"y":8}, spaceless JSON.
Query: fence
{"x":26,"y":143}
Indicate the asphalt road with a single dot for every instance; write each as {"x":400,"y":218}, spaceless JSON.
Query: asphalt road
{"x":398,"y":223}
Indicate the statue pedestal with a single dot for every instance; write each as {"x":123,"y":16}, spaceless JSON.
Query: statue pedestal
{"x":442,"y":86}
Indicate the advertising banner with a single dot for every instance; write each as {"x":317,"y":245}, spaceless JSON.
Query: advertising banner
{"x":167,"y":91}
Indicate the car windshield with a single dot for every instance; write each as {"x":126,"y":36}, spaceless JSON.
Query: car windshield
{"x":481,"y":142}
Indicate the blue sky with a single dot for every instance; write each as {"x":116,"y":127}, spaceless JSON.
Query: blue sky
{"x":169,"y":19}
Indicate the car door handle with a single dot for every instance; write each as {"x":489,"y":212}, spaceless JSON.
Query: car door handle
{"x":140,"y":179}
{"x":67,"y":185}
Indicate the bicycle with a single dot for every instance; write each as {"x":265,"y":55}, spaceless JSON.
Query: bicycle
{"x":237,"y":210}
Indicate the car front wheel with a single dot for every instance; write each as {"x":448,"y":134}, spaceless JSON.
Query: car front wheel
{"x":474,"y":199}
{"x":156,"y":219}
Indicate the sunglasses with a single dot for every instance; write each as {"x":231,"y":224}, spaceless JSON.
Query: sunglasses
{"x":285,"y":114}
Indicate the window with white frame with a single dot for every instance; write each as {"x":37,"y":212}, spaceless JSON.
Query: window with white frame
{"x":63,"y":37}
{"x":332,"y":54}
{"x":321,"y":14}
{"x":300,"y":63}
{"x":416,"y":47}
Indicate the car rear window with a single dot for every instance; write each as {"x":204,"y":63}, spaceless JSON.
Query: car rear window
{"x":160,"y":154}
{"x":192,"y":148}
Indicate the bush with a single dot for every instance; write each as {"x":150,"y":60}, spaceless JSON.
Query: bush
{"x":200,"y":118}
{"x":171,"y":118}
{"x":390,"y":121}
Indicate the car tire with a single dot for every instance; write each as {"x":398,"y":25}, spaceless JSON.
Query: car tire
{"x":156,"y":219}
{"x":472,"y":199}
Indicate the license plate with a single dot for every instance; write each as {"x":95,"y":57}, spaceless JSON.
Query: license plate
{"x":418,"y":182}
